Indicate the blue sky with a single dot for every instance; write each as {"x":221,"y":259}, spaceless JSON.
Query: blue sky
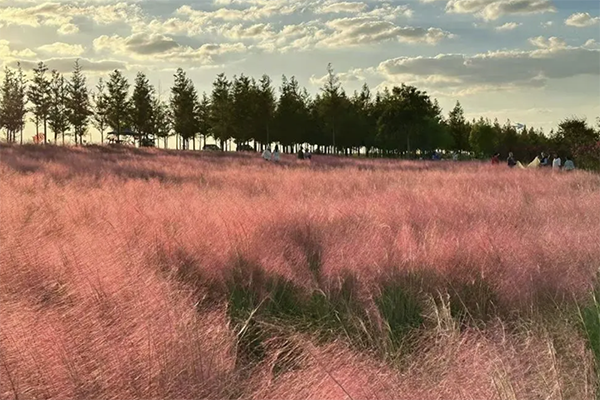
{"x":533,"y":61}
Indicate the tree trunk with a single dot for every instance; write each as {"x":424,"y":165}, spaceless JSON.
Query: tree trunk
{"x":194,"y":142}
{"x":45,"y":131}
{"x":63,"y":138}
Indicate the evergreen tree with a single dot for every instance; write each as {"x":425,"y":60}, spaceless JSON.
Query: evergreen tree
{"x":78,"y":103}
{"x":244,"y":109}
{"x":203,"y":118}
{"x":7,"y":91}
{"x":265,"y":110}
{"x":330,"y":105}
{"x":39,"y":96}
{"x":221,"y":110}
{"x":118,"y":104}
{"x":292,"y":115}
{"x":12,"y":103}
{"x":59,"y":112}
{"x":100,"y":109}
{"x":141,"y":109}
{"x":20,"y":102}
{"x":459,"y":128}
{"x":184,"y":100}
{"x":483,"y":138}
{"x":161,"y":120}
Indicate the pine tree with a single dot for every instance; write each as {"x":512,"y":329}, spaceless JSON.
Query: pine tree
{"x":118,"y":104}
{"x":184,"y":100}
{"x":59,"y":112}
{"x":20,"y":101}
{"x":79,"y":103}
{"x":7,"y":104}
{"x":100,"y":109}
{"x":203,"y":118}
{"x":39,"y":95}
{"x":221,"y":110}
{"x":459,"y":128}
{"x":331,"y":103}
{"x":243,"y":107}
{"x":265,"y":105}
{"x":161,"y":120}
{"x":141,"y":109}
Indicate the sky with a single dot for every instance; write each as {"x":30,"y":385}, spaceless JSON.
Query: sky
{"x":534,"y":62}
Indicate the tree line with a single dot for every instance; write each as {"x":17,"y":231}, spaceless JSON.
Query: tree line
{"x":399,"y":122}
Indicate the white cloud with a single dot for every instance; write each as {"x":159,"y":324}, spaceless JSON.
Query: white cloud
{"x":341,"y":7}
{"x":509,"y":26}
{"x":61,"y":15}
{"x":550,"y":43}
{"x":547,"y":24}
{"x":491,"y":10}
{"x":494,"y":70}
{"x":352,"y":75}
{"x":582,"y":20}
{"x":388,"y":12}
{"x":159,"y":48}
{"x":62,"y":49}
{"x":363,"y":31}
{"x":7,"y":53}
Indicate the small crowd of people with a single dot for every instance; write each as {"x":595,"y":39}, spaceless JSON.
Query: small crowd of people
{"x":542,"y":160}
{"x":271,"y":156}
{"x":275,"y":155}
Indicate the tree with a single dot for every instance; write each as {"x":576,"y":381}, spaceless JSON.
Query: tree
{"x":483,"y":138}
{"x":12,"y":103}
{"x":574,"y":136}
{"x":39,"y":95}
{"x":244,"y":109}
{"x":221,"y":110}
{"x":79,"y":103}
{"x":141,"y":108}
{"x":161,"y":120}
{"x":292,"y":115}
{"x":118,"y":105}
{"x":184,"y":100}
{"x":407,"y":121}
{"x":459,"y":128}
{"x":330,"y":104}
{"x":203,"y":118}
{"x":59,"y":112}
{"x":100,"y":109}
{"x":265,"y":110}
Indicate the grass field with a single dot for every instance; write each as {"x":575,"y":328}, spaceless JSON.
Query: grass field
{"x":155,"y":274}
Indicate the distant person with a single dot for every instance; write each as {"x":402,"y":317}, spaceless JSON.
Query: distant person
{"x":301,"y":154}
{"x":510,"y":161}
{"x":307,"y":154}
{"x":267,"y":154}
{"x":496,"y":159}
{"x":543,"y":160}
{"x":569,"y":164}
{"x":556,"y":162}
{"x":276,"y":153}
{"x":455,"y":156}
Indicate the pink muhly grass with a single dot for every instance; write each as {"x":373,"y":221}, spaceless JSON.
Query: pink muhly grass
{"x":113,"y":261}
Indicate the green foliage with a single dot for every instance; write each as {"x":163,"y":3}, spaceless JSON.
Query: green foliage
{"x":39,"y":96}
{"x":459,"y":129}
{"x":582,"y":141}
{"x":483,"y":138}
{"x":399,"y":308}
{"x":59,"y":113}
{"x":100,"y":109}
{"x":142,"y":109}
{"x":184,"y":100}
{"x":118,"y":105}
{"x":78,"y":103}
{"x":590,"y":322}
{"x":12,"y":103}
